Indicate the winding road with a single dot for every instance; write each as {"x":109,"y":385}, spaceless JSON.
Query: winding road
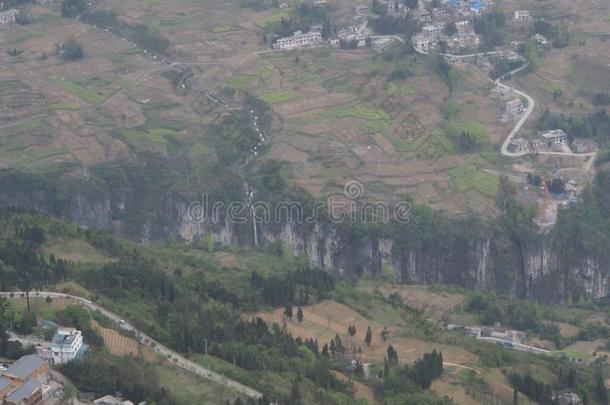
{"x":146,"y":340}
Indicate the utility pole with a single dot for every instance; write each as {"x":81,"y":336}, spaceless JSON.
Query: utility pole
{"x":206,"y":346}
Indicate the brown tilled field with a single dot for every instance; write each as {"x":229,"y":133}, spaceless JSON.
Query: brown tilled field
{"x":327,"y":318}
{"x":120,"y":345}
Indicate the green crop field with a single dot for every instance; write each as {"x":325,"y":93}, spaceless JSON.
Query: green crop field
{"x":279,"y":96}
{"x":469,"y":177}
{"x":79,"y":91}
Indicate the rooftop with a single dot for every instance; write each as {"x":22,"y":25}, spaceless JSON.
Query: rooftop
{"x":65,"y":336}
{"x":553,"y":134}
{"x":25,"y":391}
{"x":4,"y":383}
{"x":24,"y":367}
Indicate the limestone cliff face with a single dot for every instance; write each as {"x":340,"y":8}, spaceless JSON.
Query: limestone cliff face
{"x":539,"y":269}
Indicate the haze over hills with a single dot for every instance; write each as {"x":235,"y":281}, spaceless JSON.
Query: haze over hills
{"x":317,"y":201}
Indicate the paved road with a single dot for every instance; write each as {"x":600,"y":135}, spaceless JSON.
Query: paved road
{"x":175,"y":357}
{"x":530,"y":108}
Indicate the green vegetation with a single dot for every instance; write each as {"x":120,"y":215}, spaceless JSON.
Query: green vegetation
{"x":360,"y":112}
{"x":469,"y":177}
{"x":279,"y":96}
{"x":70,"y":50}
{"x":73,"y":8}
{"x":467,"y":136}
{"x":242,"y":82}
{"x":79,"y":91}
{"x":401,"y":90}
{"x":101,"y":373}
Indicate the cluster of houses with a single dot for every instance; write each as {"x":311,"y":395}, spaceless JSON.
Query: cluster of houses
{"x":357,"y":34}
{"x":25,"y":382}
{"x":8,"y":16}
{"x":551,"y":141}
{"x":507,"y":338}
{"x":459,"y":13}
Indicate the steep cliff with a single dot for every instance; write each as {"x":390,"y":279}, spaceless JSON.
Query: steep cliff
{"x":469,"y":253}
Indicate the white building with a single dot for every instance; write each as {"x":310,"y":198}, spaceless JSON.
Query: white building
{"x":439,"y":14}
{"x":541,"y":39}
{"x":321,"y":3}
{"x":421,"y":15}
{"x":556,"y":136}
{"x":433,"y":30}
{"x":299,"y":39}
{"x":423,"y":41}
{"x":521,"y":15}
{"x":514,"y":108}
{"x":9,"y":16}
{"x":66,"y":345}
{"x":382,"y":44}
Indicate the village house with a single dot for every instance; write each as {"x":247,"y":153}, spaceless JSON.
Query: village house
{"x":320,"y":3}
{"x":382,"y":44}
{"x":439,"y":14}
{"x":514,"y":108}
{"x":568,"y":398}
{"x":6,"y":386}
{"x":29,"y":393}
{"x":422,"y":16}
{"x":556,"y":136}
{"x":67,"y":345}
{"x":284,"y":5}
{"x":26,"y":368}
{"x":9,"y":16}
{"x":521,"y":15}
{"x":580,"y":145}
{"x":433,"y":30}
{"x":111,"y":400}
{"x":423,"y":41}
{"x":298,"y":39}
{"x":541,"y":40}
{"x":518,"y":145}
{"x":397,"y":9}
{"x":466,"y":38}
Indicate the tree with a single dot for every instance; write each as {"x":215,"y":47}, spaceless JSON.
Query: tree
{"x":73,"y":8}
{"x":300,"y":315}
{"x":392,"y":355}
{"x":369,"y":336}
{"x":600,"y":389}
{"x":288,"y":311}
{"x":557,"y":186}
{"x":351,"y":329}
{"x":451,"y":29}
{"x":385,"y":333}
{"x":325,"y":350}
{"x":70,"y":50}
{"x":295,"y":392}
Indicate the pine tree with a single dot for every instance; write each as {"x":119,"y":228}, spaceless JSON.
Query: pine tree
{"x":288,"y":311}
{"x":600,"y":389}
{"x":300,"y":315}
{"x":369,"y":336}
{"x":295,"y":392}
{"x":325,"y":350}
{"x":392,"y":355}
{"x":385,"y":333}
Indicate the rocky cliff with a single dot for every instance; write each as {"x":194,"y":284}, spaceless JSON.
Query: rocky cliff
{"x":470,"y":254}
